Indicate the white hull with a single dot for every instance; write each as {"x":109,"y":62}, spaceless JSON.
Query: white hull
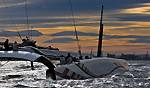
{"x":91,"y":68}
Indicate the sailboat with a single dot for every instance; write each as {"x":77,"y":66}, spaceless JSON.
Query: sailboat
{"x":83,"y":69}
{"x":92,"y":68}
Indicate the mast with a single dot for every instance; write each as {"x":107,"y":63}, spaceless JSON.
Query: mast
{"x":79,"y":46}
{"x":100,"y":35}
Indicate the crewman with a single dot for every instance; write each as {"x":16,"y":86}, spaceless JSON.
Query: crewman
{"x":15,"y":46}
{"x":6,"y":44}
{"x":69,"y":59}
{"x":62,"y":60}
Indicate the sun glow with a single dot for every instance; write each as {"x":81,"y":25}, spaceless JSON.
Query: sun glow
{"x":138,"y":10}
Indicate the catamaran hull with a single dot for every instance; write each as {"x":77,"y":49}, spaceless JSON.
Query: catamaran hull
{"x":87,"y":68}
{"x":91,"y":68}
{"x":25,"y":56}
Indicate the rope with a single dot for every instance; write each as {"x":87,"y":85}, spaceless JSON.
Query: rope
{"x":75,"y":28}
{"x":12,"y":20}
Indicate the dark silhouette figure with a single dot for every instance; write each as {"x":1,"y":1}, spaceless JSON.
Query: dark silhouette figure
{"x":69,"y":59}
{"x":6,"y":44}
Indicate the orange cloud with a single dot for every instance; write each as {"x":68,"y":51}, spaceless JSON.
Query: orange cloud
{"x":138,"y":10}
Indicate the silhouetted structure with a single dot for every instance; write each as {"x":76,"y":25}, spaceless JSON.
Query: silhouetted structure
{"x":111,"y":55}
{"x":127,"y":56}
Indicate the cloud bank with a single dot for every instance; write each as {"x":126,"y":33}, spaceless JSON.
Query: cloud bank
{"x":35,"y":33}
{"x":72,"y":33}
{"x":61,"y":40}
{"x":137,"y":39}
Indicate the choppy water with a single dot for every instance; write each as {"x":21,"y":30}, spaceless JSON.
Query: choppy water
{"x":22,"y":76}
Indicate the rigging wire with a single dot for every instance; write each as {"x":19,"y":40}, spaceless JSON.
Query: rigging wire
{"x":31,"y":32}
{"x":12,"y":20}
{"x":27,"y":16}
{"x":79,"y":46}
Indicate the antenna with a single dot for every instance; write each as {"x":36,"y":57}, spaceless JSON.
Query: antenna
{"x":27,"y":16}
{"x":100,"y":35}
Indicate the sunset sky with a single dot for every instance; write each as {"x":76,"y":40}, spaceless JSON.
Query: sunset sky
{"x":126,"y":24}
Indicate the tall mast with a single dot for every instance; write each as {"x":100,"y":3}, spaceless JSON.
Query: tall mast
{"x":100,"y":35}
{"x":79,"y":46}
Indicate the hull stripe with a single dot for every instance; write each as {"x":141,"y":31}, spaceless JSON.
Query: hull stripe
{"x":84,"y":69}
{"x":73,"y":74}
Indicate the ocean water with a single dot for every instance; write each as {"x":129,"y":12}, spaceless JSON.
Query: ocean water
{"x":19,"y":74}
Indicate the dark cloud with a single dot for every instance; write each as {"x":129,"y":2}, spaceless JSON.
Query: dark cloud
{"x":61,"y":40}
{"x":22,"y":33}
{"x":129,"y":29}
{"x":129,"y":45}
{"x":72,"y":33}
{"x":140,"y":40}
{"x":147,"y":48}
{"x":137,"y":39}
{"x":107,"y":37}
{"x":127,"y":36}
{"x":135,"y":18}
{"x":47,"y":8}
{"x":66,"y":24}
{"x":124,"y":46}
{"x":117,"y":24}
